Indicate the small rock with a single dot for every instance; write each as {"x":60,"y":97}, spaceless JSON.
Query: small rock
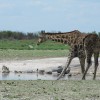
{"x":15,"y":71}
{"x":30,"y":71}
{"x":69,"y":75}
{"x":49,"y":72}
{"x":5,"y":69}
{"x":18,"y":71}
{"x":59,"y":70}
{"x":41,"y":71}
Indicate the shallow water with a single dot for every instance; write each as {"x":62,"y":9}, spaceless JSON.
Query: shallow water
{"x":35,"y":76}
{"x":27,"y":76}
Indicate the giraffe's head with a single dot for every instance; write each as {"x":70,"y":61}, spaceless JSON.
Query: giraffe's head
{"x":41,"y":38}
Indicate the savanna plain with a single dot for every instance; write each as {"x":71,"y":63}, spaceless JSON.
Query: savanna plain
{"x":17,"y":50}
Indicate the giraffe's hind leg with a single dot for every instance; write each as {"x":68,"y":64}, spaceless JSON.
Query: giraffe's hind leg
{"x":96,"y":56}
{"x":89,"y":62}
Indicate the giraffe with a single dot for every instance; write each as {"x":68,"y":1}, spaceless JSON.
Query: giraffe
{"x":77,"y":50}
{"x":74,"y":39}
{"x":92,"y":46}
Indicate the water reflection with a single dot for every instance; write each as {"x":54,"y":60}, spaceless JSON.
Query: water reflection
{"x":26,"y":76}
{"x":5,"y":75}
{"x":37,"y":76}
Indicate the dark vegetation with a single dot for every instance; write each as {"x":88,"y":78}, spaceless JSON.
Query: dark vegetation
{"x":27,"y":41}
{"x":17,"y":35}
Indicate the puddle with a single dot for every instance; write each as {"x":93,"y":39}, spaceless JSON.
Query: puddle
{"x":27,"y":76}
{"x":35,"y":76}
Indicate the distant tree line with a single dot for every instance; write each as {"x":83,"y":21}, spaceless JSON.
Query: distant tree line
{"x":20,"y":35}
{"x":94,"y":32}
{"x":17,"y":35}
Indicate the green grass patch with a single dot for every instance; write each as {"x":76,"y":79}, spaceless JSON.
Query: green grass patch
{"x":52,"y":45}
{"x":31,"y":45}
{"x":16,"y":44}
{"x":27,"y":49}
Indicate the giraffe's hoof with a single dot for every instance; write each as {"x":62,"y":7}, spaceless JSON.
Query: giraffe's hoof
{"x":93,"y":78}
{"x":58,"y":78}
{"x":83,"y":78}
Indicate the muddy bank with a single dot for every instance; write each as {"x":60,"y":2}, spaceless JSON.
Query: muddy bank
{"x":40,"y":68}
{"x":34,"y":64}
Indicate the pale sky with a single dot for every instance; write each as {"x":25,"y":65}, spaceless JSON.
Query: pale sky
{"x":50,"y":15}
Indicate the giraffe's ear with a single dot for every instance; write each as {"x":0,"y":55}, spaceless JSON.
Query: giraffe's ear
{"x":41,"y":33}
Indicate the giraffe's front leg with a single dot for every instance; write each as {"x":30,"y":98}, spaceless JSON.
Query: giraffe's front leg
{"x":82,"y":60}
{"x":67,"y":65}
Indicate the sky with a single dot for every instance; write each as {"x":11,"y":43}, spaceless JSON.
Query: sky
{"x":50,"y":15}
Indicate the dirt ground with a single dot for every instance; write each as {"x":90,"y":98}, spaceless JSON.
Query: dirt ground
{"x":45,"y":63}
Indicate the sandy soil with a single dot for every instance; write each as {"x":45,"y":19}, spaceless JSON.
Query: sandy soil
{"x":46,"y":63}
{"x":33,"y":64}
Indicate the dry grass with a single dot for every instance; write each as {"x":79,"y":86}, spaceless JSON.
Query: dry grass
{"x":50,"y":90}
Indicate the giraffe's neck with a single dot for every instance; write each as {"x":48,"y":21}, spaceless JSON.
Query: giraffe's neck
{"x":66,"y":38}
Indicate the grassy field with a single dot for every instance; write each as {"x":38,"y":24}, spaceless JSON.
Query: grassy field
{"x":11,"y":54}
{"x":40,"y":89}
{"x":50,"y":90}
{"x":27,"y":49}
{"x":31,"y":45}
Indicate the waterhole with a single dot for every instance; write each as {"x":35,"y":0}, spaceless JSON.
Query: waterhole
{"x":37,"y":76}
{"x":47,"y":64}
